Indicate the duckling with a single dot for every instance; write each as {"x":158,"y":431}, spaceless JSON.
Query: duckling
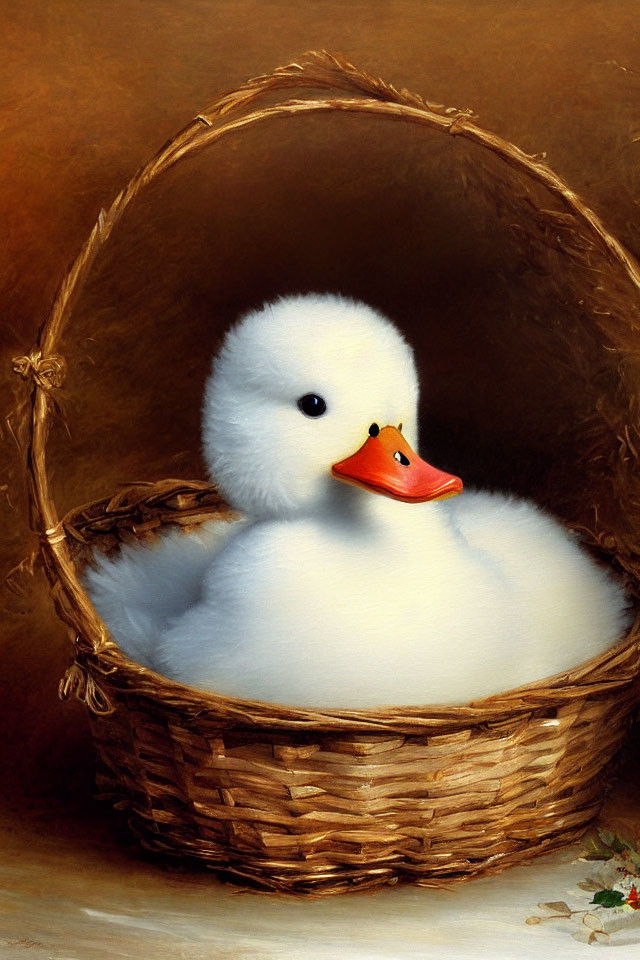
{"x":361,"y":576}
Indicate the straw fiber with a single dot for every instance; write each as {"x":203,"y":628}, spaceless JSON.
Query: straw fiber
{"x":319,"y":802}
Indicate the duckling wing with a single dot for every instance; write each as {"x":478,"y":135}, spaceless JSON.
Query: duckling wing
{"x":569,"y":607}
{"x":144,"y":586}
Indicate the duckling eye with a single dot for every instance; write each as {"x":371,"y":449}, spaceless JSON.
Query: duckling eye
{"x":312,"y":405}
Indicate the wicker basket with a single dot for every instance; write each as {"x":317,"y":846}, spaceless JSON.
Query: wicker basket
{"x":323,"y":801}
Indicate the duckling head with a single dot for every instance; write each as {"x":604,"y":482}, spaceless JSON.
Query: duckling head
{"x":307,"y":391}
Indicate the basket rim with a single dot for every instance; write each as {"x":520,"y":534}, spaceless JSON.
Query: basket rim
{"x":113,"y":671}
{"x":46,"y":371}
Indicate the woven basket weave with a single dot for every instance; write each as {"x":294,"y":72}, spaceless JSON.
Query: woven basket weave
{"x":319,"y":802}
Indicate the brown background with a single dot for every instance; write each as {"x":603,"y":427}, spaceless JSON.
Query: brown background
{"x":89,"y":90}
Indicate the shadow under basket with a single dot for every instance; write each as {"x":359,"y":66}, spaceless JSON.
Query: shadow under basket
{"x":321,"y":801}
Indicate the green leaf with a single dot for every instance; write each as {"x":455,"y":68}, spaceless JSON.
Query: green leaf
{"x":601,"y":844}
{"x":615,"y":842}
{"x":608,"y":837}
{"x":595,"y":848}
{"x":618,"y":845}
{"x":609,"y":898}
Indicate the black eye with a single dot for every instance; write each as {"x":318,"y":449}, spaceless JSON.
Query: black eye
{"x":312,"y":405}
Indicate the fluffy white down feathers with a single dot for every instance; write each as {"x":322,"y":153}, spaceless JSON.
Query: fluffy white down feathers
{"x":329,"y":595}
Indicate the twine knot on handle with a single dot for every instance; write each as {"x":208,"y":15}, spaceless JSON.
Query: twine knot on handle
{"x":78,"y":682}
{"x":46,"y":372}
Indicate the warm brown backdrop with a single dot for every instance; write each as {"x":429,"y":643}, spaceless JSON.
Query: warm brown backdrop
{"x":90,"y":89}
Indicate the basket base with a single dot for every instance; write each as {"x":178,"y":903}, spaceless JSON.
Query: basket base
{"x":260,"y":876}
{"x":322,"y":861}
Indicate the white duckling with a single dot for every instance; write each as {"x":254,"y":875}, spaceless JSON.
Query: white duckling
{"x":350,"y":584}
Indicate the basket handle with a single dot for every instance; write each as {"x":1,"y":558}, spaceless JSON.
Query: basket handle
{"x":316,"y":71}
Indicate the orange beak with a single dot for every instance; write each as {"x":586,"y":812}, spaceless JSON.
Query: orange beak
{"x":386,"y":464}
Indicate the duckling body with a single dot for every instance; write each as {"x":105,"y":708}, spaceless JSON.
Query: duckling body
{"x":330,"y":594}
{"x":394,"y":609}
